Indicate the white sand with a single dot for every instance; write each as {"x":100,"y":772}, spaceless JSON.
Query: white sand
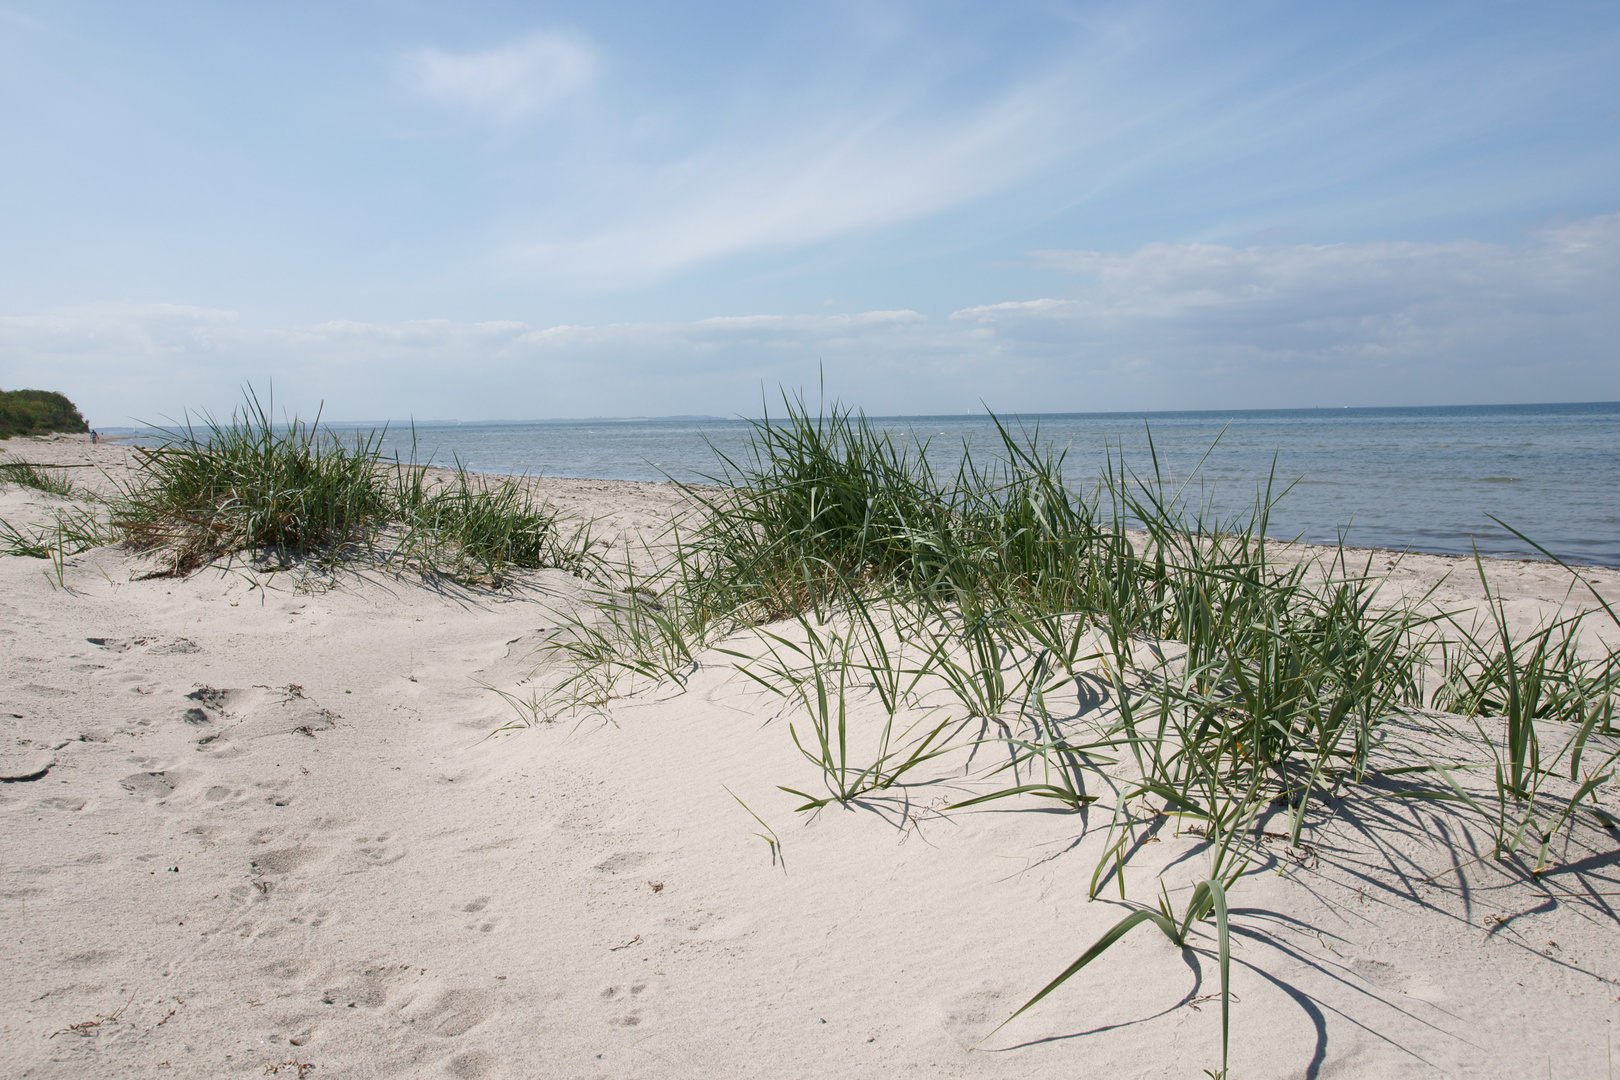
{"x":273,"y":831}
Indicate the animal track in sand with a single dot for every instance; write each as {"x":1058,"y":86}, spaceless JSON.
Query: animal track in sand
{"x":611,"y":992}
{"x":312,"y":916}
{"x":476,"y":906}
{"x":971,"y":1011}
{"x":283,"y":969}
{"x":1380,"y":974}
{"x":620,"y":996}
{"x":472,"y":1065}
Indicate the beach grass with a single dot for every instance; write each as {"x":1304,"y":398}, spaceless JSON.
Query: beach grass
{"x":1111,"y":649}
{"x":835,"y":567}
{"x":246,"y":484}
{"x":297,"y":491}
{"x":477,"y":529}
{"x":38,"y":477}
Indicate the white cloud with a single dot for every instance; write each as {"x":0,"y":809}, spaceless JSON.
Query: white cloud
{"x":1164,"y":327}
{"x":895,"y":139}
{"x":152,"y":362}
{"x":1459,"y":304}
{"x":801,"y":182}
{"x":506,"y":83}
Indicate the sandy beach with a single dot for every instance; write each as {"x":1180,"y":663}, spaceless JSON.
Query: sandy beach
{"x":290,"y":823}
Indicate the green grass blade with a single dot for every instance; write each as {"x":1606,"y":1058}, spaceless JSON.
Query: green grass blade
{"x":1119,"y":930}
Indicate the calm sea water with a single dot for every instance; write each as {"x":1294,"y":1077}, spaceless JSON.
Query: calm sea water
{"x":1428,"y":479}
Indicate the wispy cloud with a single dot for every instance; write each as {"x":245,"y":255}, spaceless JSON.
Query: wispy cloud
{"x":1377,"y":286}
{"x":1380,"y":322}
{"x":814,"y":179}
{"x":1162,"y":327}
{"x":508,"y":83}
{"x":1132,"y":110}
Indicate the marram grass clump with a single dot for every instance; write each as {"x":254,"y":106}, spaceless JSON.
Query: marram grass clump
{"x":1233,"y":685}
{"x":212,"y":490}
{"x":478,"y":528}
{"x":39,"y":477}
{"x":297,"y":491}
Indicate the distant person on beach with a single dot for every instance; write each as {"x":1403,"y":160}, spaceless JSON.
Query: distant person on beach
{"x":94,"y":438}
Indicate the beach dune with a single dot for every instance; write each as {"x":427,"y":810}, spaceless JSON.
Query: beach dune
{"x":290,"y":823}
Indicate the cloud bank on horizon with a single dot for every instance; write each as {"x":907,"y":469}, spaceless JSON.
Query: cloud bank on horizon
{"x":617,"y":210}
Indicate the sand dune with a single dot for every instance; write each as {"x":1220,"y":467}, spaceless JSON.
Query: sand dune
{"x":268,"y":824}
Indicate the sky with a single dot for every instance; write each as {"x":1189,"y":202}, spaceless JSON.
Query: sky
{"x":486,"y":210}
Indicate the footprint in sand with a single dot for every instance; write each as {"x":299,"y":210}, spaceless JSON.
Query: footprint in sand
{"x":25,"y":764}
{"x":147,"y":784}
{"x":456,"y":1012}
{"x":622,"y":862}
{"x":448,"y":1013}
{"x":286,"y":860}
{"x":243,"y":715}
{"x":370,"y":987}
{"x":377,"y":851}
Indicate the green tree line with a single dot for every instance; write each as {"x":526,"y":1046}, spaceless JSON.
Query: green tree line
{"x":37,"y":412}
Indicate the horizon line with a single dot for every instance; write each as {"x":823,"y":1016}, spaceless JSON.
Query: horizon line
{"x":704,"y":417}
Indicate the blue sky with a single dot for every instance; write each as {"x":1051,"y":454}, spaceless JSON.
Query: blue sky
{"x":490,"y":210}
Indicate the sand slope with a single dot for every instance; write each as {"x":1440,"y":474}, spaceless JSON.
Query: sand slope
{"x":261,"y":826}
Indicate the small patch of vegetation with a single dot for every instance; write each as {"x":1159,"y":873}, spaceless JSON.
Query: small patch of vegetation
{"x":38,"y":412}
{"x":247,"y":485}
{"x":478,"y":528}
{"x":71,"y":531}
{"x":298,"y":491}
{"x":26,"y":474}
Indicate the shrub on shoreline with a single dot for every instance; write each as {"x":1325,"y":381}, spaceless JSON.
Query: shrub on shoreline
{"x":38,"y":412}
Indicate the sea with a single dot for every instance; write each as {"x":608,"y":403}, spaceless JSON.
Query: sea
{"x":1446,"y":480}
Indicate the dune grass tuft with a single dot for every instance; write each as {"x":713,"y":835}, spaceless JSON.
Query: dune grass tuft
{"x":1238,"y":684}
{"x":477,"y":529}
{"x":246,"y":484}
{"x":40,"y":478}
{"x":295,"y":490}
